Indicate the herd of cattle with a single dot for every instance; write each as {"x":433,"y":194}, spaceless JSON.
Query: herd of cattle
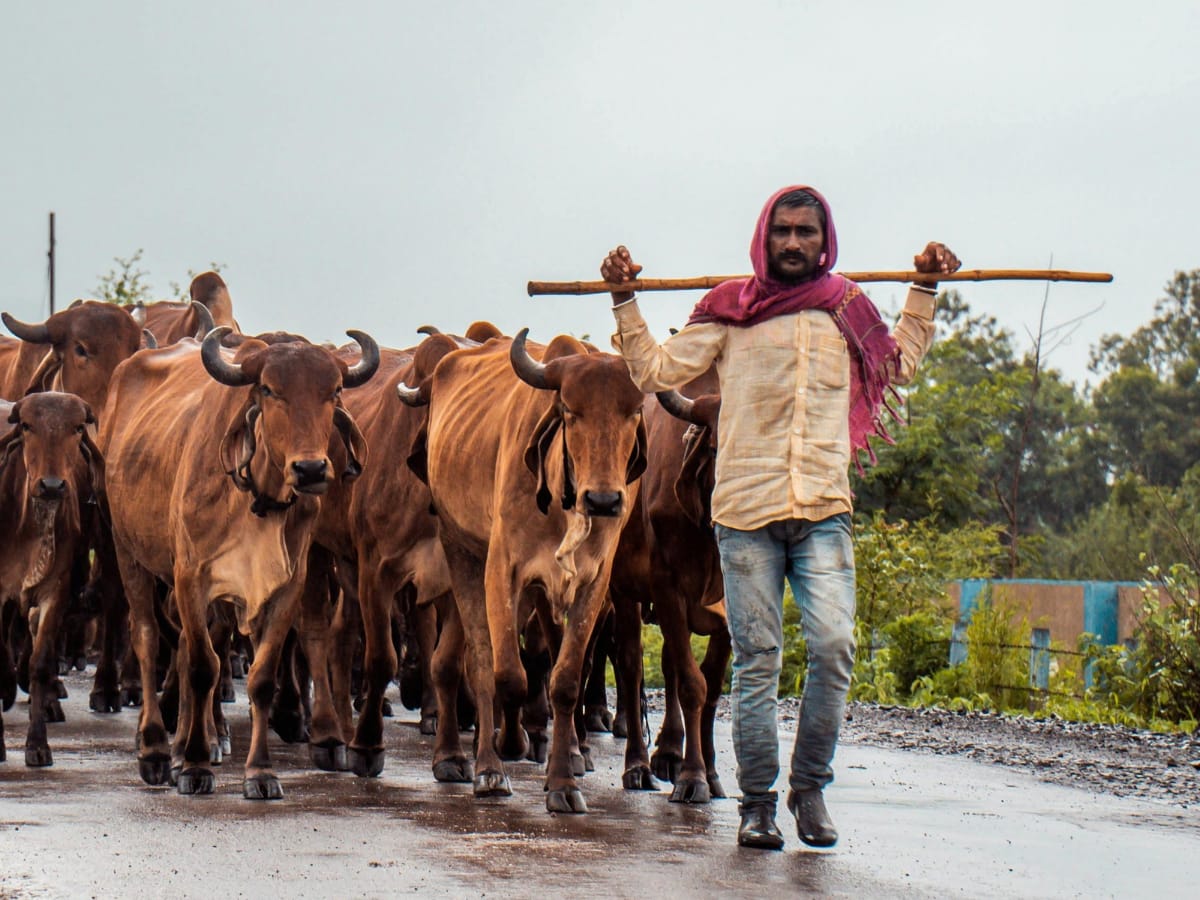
{"x":494,"y":508}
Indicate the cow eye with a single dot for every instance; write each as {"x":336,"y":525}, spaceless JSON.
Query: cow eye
{"x":25,"y":429}
{"x":264,"y":390}
{"x":81,"y":351}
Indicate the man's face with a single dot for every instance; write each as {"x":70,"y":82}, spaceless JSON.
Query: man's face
{"x":794,"y":243}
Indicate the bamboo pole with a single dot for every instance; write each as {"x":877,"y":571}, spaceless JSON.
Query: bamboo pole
{"x":536,"y":288}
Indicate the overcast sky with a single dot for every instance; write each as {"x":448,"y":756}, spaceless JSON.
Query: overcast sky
{"x":386,"y":165}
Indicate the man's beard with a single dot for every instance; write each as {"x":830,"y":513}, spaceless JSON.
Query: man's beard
{"x":787,"y":278}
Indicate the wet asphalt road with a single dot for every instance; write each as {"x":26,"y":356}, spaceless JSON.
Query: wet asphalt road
{"x":911,"y":825}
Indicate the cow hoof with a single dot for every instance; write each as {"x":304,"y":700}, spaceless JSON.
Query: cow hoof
{"x":578,"y":764}
{"x":215,"y":756}
{"x":539,"y":747}
{"x":289,"y":725}
{"x":196,"y":780}
{"x":105,"y":701}
{"x":492,"y":784}
{"x":568,"y":800}
{"x":131,"y":697}
{"x":226,"y":744}
{"x":619,"y":728}
{"x":38,"y":757}
{"x":263,"y":786}
{"x":54,"y":712}
{"x":513,"y":745}
{"x":237,"y":666}
{"x":429,"y":724}
{"x":638,"y":778}
{"x":155,"y":768}
{"x":228,"y":694}
{"x":64,"y":666}
{"x":366,"y":763}
{"x":589,"y":764}
{"x":457,"y":770}
{"x":80,"y":663}
{"x":715,"y":789}
{"x":8,"y":695}
{"x":386,"y":708}
{"x":3,"y":752}
{"x":329,"y":756}
{"x":598,"y":719}
{"x":61,"y":690}
{"x":690,"y":790}
{"x":666,"y":765}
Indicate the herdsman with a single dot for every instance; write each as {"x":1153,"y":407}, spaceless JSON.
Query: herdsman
{"x":805,"y":366}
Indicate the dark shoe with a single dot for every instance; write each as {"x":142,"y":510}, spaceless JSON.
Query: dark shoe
{"x":812,"y":818}
{"x":758,"y":828}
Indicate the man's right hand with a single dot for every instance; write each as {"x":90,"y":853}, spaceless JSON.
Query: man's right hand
{"x":618,"y":267}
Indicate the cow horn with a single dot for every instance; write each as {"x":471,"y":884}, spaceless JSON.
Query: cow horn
{"x":34,"y":334}
{"x":138,"y":312}
{"x":428,"y":329}
{"x":149,"y":341}
{"x":367,"y":364}
{"x":204,"y":320}
{"x":225,"y":372}
{"x":677,"y":405}
{"x":528,"y":369}
{"x":411,"y":396}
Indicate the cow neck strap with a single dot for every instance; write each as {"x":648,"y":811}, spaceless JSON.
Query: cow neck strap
{"x":262,"y":504}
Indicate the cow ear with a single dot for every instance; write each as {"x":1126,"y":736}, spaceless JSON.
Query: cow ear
{"x":536,"y":451}
{"x":9,"y":443}
{"x":356,"y":444}
{"x":43,"y":377}
{"x":238,"y":445}
{"x":637,"y":459}
{"x":95,"y":461}
{"x":418,"y":456}
{"x":692,"y":483}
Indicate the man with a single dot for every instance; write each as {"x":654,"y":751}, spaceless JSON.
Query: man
{"x":805,"y":364}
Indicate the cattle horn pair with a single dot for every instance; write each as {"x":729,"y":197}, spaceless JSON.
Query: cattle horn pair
{"x":231,"y":374}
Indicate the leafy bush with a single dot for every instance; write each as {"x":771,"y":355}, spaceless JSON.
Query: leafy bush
{"x":917,"y":645}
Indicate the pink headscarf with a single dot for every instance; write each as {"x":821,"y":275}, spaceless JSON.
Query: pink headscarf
{"x":875,"y":356}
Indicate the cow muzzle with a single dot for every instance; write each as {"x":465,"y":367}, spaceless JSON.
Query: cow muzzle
{"x":50,"y":488}
{"x":310,"y":476}
{"x":604,"y":504}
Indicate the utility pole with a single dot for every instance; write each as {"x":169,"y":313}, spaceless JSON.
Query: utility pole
{"x":51,"y":256}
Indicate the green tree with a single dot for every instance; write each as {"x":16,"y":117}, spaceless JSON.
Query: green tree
{"x":126,"y":283}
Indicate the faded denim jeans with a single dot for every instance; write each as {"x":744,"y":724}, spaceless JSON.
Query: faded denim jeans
{"x":817,"y":559}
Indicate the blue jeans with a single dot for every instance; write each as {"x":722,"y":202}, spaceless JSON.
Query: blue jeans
{"x":817,"y":559}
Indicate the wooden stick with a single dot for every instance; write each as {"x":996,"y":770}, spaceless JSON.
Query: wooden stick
{"x":536,"y":288}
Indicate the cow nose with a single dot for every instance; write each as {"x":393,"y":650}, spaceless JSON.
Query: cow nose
{"x":309,"y":471}
{"x":602,"y":503}
{"x":51,"y":488}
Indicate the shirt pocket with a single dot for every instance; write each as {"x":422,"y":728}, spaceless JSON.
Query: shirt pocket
{"x":831,"y":363}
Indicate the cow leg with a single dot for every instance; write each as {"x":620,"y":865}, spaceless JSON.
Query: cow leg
{"x":8,"y":672}
{"x":562,"y":793}
{"x":154,"y":755}
{"x":450,"y":763}
{"x":287,"y":706}
{"x":221,"y":632}
{"x":716,"y":659}
{"x":260,"y":782}
{"x":597,"y":715}
{"x":43,"y":673}
{"x":668,"y":754}
{"x":474,"y":614}
{"x":105,"y":587}
{"x":379,"y":667}
{"x":326,"y":745}
{"x":343,"y":641}
{"x":687,"y":684}
{"x":535,"y":657}
{"x":627,"y":641}
{"x":512,"y":686}
{"x":198,"y":667}
{"x":425,"y":617}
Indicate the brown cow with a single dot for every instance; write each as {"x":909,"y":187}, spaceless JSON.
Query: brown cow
{"x":79,"y":348}
{"x":50,"y":472}
{"x":170,"y":321}
{"x":532,"y":467}
{"x":388,"y":539}
{"x":215,"y":492}
{"x":668,"y":560}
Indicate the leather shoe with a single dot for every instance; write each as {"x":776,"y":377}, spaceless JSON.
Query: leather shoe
{"x":758,"y":828}
{"x":812,"y":818}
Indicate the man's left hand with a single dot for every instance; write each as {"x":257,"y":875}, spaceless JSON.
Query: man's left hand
{"x":937,"y":259}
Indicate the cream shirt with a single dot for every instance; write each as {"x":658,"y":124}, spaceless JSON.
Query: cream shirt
{"x":783,"y":441}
